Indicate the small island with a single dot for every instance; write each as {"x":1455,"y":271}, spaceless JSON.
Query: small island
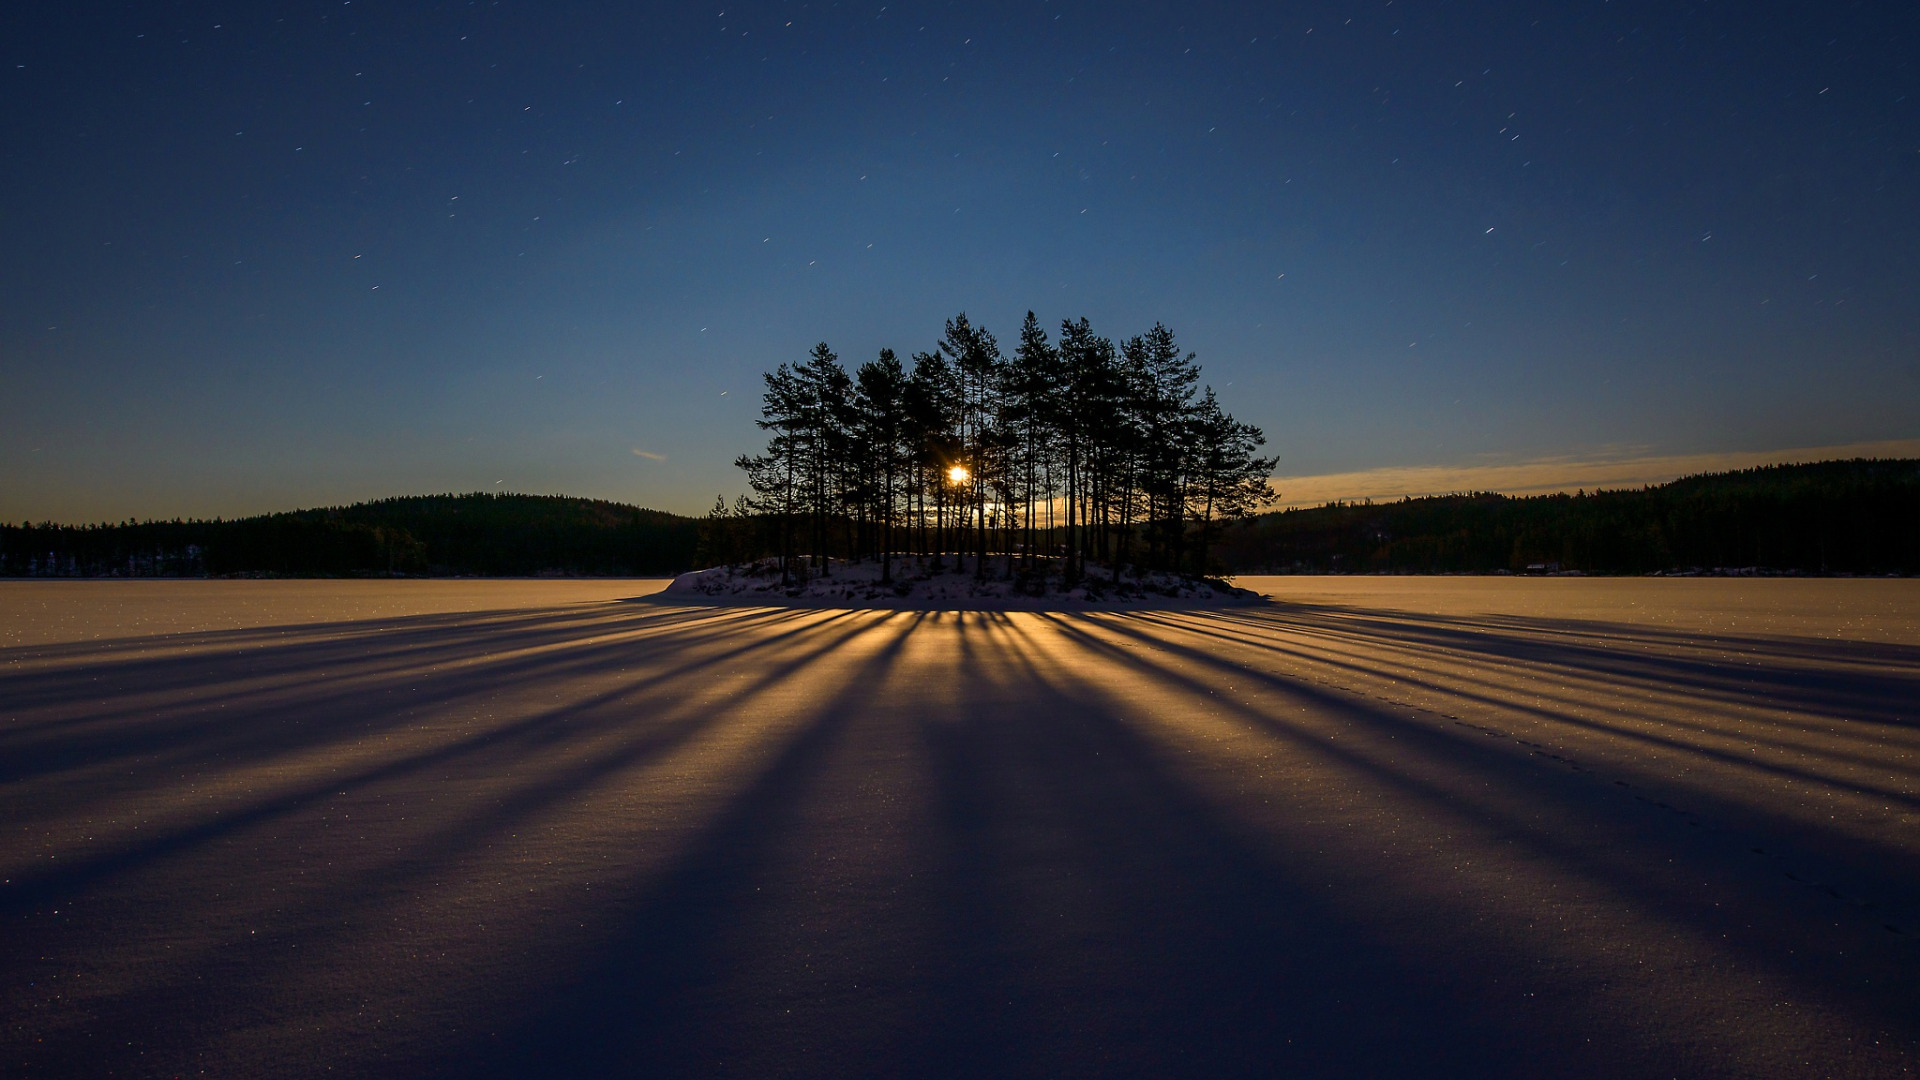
{"x":1069,"y":475}
{"x":950,"y":584}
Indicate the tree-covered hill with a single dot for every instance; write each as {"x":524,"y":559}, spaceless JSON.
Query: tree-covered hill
{"x":1860,"y":516}
{"x":480,"y":533}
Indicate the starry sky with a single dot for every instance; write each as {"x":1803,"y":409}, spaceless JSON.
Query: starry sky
{"x":267,"y":255}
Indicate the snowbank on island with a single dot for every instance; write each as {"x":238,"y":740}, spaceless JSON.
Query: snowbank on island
{"x":916,"y":584}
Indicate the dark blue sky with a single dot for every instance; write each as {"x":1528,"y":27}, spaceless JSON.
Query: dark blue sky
{"x":260,"y":256}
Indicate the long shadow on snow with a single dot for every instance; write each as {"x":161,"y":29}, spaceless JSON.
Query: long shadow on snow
{"x":1865,"y":753}
{"x":1867,"y":693}
{"x":1174,"y":944}
{"x":1629,"y":870}
{"x":28,"y":891}
{"x":316,"y":684}
{"x":207,"y":982}
{"x":634,"y":1007}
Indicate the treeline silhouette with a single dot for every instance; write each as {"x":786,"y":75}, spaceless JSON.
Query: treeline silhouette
{"x":477,"y":534}
{"x":1860,"y":516}
{"x":1072,"y":452}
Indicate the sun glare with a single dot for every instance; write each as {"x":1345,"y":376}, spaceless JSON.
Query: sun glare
{"x":957,"y":474}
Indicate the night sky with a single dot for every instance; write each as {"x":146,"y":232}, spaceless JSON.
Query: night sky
{"x":261,"y":256}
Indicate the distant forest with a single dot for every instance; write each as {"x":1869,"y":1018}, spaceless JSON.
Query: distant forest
{"x":1838,"y":517}
{"x":479,"y":534}
{"x":1085,"y":450}
{"x":1858,"y":517}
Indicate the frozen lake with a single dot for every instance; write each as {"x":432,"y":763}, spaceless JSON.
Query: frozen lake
{"x":1412,"y":826}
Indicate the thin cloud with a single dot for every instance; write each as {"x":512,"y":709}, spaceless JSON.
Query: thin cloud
{"x":648,"y":454}
{"x":1550,"y":475}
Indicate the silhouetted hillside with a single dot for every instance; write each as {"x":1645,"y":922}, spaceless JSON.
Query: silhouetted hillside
{"x":481,"y":533}
{"x":1860,"y":516}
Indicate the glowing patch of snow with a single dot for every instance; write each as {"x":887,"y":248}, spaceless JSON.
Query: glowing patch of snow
{"x":923,"y":583}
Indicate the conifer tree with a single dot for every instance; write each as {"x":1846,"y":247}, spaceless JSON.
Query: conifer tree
{"x":882,"y":408}
{"x":1227,"y":479}
{"x":1077,"y":446}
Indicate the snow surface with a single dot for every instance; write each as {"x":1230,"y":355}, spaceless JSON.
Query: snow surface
{"x":955,"y":583}
{"x":1627,"y":827}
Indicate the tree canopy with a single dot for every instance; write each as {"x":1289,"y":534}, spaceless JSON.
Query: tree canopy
{"x":1059,"y":455}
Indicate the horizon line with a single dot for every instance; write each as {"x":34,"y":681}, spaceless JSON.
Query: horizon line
{"x":1555,"y":475}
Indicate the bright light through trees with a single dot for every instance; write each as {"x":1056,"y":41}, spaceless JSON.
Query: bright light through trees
{"x":1086,"y":451}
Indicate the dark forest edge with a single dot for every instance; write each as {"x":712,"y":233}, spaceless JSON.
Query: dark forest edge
{"x":480,"y":534}
{"x":1836,"y":517}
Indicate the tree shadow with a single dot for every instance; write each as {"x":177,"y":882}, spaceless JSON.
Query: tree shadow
{"x":1601,"y":671}
{"x":1868,"y":681}
{"x":1106,"y":919}
{"x":636,"y":1003}
{"x":1502,"y":786}
{"x":205,"y":702}
{"x":940,"y":844}
{"x":534,"y":765}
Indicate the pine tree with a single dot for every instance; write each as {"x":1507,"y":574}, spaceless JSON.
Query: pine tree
{"x":825,"y":393}
{"x":977,"y":361}
{"x":1227,"y":479}
{"x":1029,"y":391}
{"x":882,"y":408}
{"x":932,"y":391}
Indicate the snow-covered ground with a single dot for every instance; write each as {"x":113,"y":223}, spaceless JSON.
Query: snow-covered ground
{"x":956,"y":583}
{"x":1383,"y":826}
